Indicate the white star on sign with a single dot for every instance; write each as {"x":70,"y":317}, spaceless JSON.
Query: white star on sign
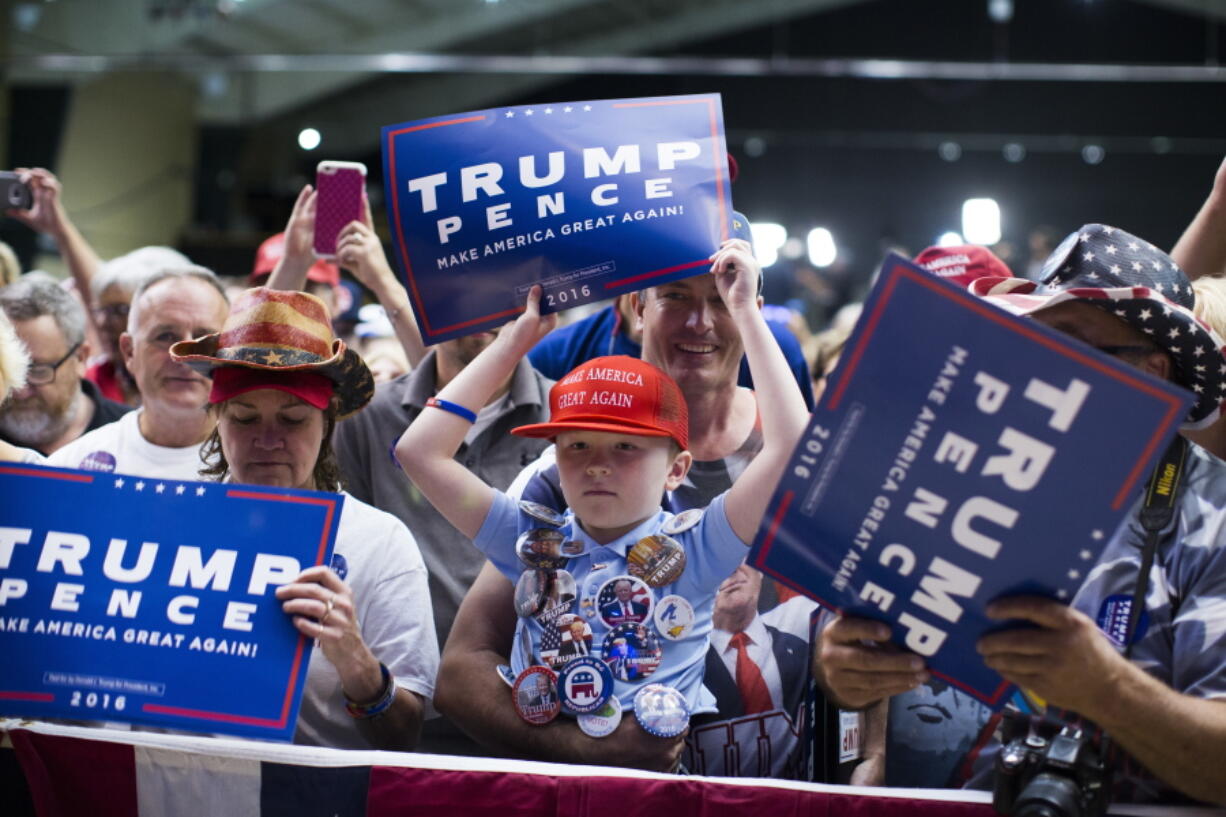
{"x":140,"y":486}
{"x":587,"y":107}
{"x":160,"y":488}
{"x":1062,"y":594}
{"x":1096,"y":534}
{"x":200,"y":491}
{"x":567,"y":109}
{"x":119,"y":482}
{"x":1074,"y":574}
{"x":179,"y":489}
{"x":1086,"y":555}
{"x":528,"y":112}
{"x":510,"y":114}
{"x":549,"y":110}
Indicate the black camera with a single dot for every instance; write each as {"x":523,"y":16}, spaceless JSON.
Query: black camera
{"x":14,"y":193}
{"x":1048,"y":769}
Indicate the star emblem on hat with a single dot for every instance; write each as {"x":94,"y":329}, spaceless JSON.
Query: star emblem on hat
{"x":273,"y":358}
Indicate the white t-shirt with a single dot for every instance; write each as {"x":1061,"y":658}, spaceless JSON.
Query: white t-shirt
{"x":377,"y":557}
{"x":119,"y":447}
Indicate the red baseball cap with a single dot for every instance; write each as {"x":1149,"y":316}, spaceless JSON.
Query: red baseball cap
{"x":620,"y":394}
{"x":963,"y":263}
{"x":271,"y":251}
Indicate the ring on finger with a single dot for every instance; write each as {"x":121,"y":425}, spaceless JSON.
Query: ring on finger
{"x":327,"y":611}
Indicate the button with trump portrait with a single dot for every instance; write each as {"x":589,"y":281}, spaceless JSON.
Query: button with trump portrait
{"x":584,"y":685}
{"x":530,"y":592}
{"x":559,"y":598}
{"x":535,"y":695}
{"x":656,"y":559}
{"x":542,"y":548}
{"x":568,"y":639}
{"x":632,"y":651}
{"x":624,"y":600}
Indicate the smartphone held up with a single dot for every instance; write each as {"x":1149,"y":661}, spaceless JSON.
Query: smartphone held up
{"x":339,"y":188}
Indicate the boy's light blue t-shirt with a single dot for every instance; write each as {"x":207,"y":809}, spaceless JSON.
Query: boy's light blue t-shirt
{"x":712,"y":552}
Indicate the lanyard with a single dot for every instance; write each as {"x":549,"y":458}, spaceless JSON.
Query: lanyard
{"x":1161,"y":494}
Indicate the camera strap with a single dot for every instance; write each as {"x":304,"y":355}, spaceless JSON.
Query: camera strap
{"x":1161,"y":496}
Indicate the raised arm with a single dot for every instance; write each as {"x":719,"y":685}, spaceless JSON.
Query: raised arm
{"x":291,"y":271}
{"x":1201,"y":250}
{"x":427,"y":449}
{"x":780,"y":403}
{"x":49,"y":217}
{"x":359,"y":250}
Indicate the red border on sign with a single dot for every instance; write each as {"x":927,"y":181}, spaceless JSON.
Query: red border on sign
{"x":507,"y":313}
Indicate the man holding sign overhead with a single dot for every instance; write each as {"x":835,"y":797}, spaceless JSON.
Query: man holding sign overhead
{"x":1153,"y":679}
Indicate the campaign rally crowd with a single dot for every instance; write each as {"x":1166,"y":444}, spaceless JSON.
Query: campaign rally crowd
{"x":541,"y":551}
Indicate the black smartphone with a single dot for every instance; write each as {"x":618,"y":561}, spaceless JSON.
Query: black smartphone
{"x":14,"y":193}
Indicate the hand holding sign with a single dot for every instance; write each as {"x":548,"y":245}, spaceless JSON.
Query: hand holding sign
{"x":858,"y":666}
{"x":736,"y":274}
{"x":525,"y":331}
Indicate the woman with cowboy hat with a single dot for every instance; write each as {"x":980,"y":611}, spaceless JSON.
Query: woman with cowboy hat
{"x":280,"y":383}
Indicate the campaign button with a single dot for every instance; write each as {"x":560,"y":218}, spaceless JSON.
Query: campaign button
{"x":656,"y":559}
{"x":542,"y":513}
{"x":632,"y":651}
{"x":568,"y":638}
{"x":530,"y":592}
{"x":535,"y":694}
{"x":661,"y":711}
{"x":587,"y":607}
{"x":559,"y":598}
{"x":505,"y":673}
{"x":603,"y":722}
{"x":674,"y":617}
{"x":541,"y":548}
{"x":624,"y":600}
{"x":584,"y":685}
{"x":682,"y":522}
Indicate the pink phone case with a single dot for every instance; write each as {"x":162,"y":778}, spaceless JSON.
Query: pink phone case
{"x":339,"y":187}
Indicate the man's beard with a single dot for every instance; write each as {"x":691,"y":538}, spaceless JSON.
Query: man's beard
{"x":31,"y":425}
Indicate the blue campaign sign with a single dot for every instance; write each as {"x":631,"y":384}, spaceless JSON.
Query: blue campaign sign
{"x":151,"y":601}
{"x":960,"y":454}
{"x":588,"y":199}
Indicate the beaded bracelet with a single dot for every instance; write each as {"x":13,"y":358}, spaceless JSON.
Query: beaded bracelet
{"x":454,"y":408}
{"x":381,"y":704}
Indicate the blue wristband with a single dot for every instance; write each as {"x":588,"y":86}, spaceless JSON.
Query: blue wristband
{"x":454,"y":408}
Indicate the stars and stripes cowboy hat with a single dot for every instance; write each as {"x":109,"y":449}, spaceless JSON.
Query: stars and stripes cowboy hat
{"x":280,"y":339}
{"x":1141,"y":285}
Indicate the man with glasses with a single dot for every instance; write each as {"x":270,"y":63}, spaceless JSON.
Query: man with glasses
{"x":163,"y":437}
{"x":57,"y":405}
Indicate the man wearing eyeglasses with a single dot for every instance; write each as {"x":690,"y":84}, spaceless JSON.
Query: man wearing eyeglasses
{"x":57,"y":405}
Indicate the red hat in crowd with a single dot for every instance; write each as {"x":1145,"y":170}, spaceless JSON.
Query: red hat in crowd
{"x":963,"y":263}
{"x":620,"y":394}
{"x":273,"y":249}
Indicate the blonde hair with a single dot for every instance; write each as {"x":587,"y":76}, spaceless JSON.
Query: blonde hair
{"x":14,"y":359}
{"x":10,"y":267}
{"x":1210,"y":304}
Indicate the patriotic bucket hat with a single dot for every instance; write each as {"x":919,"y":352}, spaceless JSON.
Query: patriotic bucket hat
{"x":1137,"y":283}
{"x":281,"y":340}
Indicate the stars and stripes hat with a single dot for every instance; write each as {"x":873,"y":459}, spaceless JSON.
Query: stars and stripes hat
{"x":1137,"y":283}
{"x":279,"y":339}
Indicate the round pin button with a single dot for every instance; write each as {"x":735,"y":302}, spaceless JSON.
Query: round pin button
{"x":661,"y":711}
{"x":674,"y":617}
{"x":568,"y":639}
{"x":604,"y":721}
{"x":584,"y":685}
{"x":541,"y":548}
{"x":535,"y":694}
{"x":682,"y":522}
{"x":542,"y":513}
{"x":632,"y":651}
{"x":505,"y":673}
{"x":530,"y":592}
{"x":559,"y":599}
{"x":624,"y":600}
{"x":656,"y":559}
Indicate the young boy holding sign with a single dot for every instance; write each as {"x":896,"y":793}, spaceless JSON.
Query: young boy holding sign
{"x":644,"y":580}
